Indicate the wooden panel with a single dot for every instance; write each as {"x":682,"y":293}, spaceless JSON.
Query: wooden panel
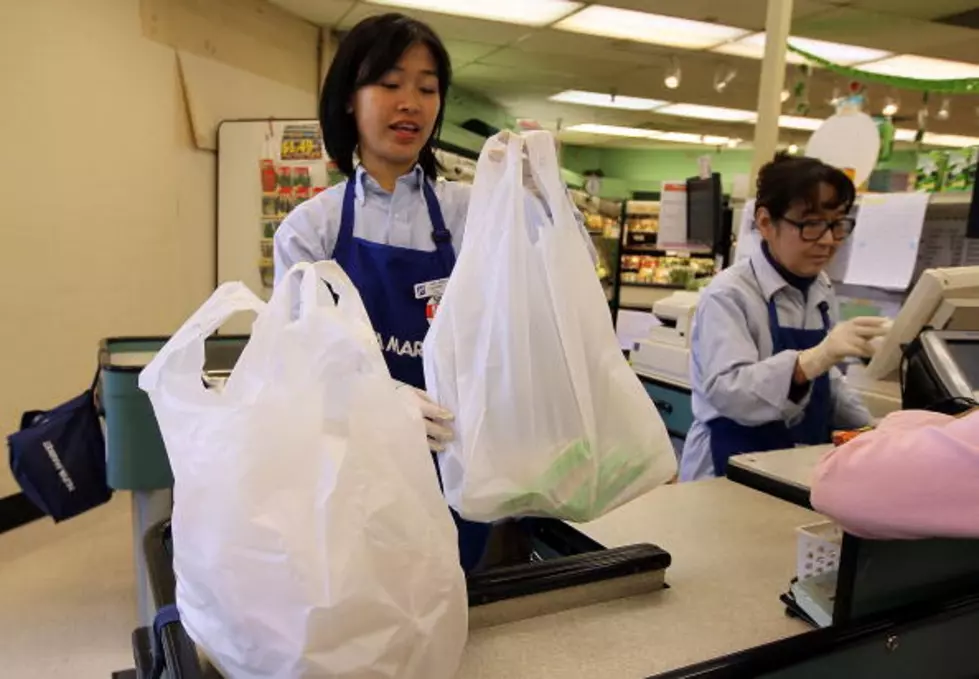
{"x":250,"y":35}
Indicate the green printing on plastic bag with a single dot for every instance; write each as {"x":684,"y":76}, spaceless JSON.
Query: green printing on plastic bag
{"x":565,"y":489}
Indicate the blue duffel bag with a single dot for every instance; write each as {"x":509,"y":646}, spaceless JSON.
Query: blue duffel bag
{"x":58,"y":457}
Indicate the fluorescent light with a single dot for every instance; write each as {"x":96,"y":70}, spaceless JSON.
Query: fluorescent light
{"x":799,"y":123}
{"x":607,"y":100}
{"x":624,"y":24}
{"x":731,"y":115}
{"x":838,"y":53}
{"x":904,"y":135}
{"x":655,"y":135}
{"x":953,"y":140}
{"x":610,"y":130}
{"x":753,"y":47}
{"x":535,"y":13}
{"x":922,"y":68}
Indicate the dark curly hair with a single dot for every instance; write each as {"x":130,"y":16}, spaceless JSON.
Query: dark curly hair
{"x":366,"y":53}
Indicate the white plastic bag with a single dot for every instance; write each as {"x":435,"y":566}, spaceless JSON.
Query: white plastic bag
{"x":550,"y":418}
{"x":310,"y":536}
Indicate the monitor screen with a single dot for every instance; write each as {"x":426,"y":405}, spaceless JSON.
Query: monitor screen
{"x":965,"y":353}
{"x":704,"y":205}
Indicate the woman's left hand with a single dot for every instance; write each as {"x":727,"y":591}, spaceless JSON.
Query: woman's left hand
{"x":437,"y":420}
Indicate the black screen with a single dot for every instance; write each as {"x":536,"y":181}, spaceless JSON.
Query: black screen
{"x":965,"y":353}
{"x":704,"y":210}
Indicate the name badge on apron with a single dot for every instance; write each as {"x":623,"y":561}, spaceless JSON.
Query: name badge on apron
{"x":432,"y":291}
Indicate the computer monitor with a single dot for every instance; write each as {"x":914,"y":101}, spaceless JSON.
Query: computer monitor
{"x":943,"y":299}
{"x":704,"y":211}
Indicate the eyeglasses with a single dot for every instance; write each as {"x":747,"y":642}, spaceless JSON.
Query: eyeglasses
{"x":812,"y":230}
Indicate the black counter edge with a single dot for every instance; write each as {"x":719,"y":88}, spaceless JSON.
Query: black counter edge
{"x":782,"y":654}
{"x":769,"y":486}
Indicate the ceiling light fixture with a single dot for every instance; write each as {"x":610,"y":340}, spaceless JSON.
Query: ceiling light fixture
{"x":624,"y":24}
{"x":733,"y":143}
{"x":793,"y":149}
{"x":922,"y":68}
{"x":729,"y":115}
{"x":536,"y":13}
{"x":606,"y":100}
{"x":753,"y":47}
{"x":722,"y":78}
{"x":672,"y":79}
{"x":901,"y":134}
{"x":891,"y":106}
{"x":944,"y":111}
{"x":950,"y":140}
{"x":799,"y":123}
{"x":653,"y":135}
{"x":784,"y":96}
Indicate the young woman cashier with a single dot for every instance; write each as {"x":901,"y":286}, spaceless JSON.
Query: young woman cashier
{"x":391,"y":226}
{"x":765,"y":341}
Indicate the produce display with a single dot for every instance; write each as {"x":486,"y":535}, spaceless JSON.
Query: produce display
{"x":665,"y":270}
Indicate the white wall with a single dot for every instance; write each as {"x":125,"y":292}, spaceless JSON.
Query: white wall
{"x":107,"y":218}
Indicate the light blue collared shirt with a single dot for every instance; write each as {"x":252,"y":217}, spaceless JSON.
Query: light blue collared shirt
{"x":399,"y":218}
{"x":733,"y":373}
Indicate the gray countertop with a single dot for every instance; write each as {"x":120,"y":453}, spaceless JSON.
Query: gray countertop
{"x":733,"y":552}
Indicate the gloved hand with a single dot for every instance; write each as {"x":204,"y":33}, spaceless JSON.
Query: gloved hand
{"x":850,"y":338}
{"x":436,"y":419}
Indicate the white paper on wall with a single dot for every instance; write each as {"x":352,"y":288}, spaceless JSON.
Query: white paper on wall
{"x":886,"y":240}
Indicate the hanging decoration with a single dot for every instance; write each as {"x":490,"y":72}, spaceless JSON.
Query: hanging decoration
{"x":919,"y":134}
{"x":800,"y":90}
{"x":959,"y":86}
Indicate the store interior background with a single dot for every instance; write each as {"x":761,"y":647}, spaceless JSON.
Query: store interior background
{"x":110,"y":109}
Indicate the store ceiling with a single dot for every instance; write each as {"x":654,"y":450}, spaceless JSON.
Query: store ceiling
{"x":522,"y":66}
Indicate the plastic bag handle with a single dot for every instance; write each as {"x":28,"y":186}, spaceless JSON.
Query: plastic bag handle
{"x":544,"y":168}
{"x":186,"y":346}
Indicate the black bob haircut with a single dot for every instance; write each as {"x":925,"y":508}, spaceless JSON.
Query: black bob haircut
{"x":789,"y":180}
{"x":371,"y":49}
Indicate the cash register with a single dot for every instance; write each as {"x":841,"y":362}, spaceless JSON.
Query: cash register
{"x":941,"y":372}
{"x":942,"y":301}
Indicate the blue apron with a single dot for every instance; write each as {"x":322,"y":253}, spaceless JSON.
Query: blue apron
{"x":728,"y":438}
{"x":386,"y":277}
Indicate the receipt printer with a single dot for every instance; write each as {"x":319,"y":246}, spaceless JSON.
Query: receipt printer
{"x":941,"y":372}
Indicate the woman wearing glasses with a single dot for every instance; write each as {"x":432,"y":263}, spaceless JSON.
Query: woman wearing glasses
{"x":765,"y":339}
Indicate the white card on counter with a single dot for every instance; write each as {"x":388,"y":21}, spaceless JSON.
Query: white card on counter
{"x":886,"y":240}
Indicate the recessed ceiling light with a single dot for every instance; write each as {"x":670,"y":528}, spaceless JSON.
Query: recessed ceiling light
{"x":536,"y":13}
{"x":793,"y":149}
{"x":731,"y":115}
{"x":624,"y":24}
{"x":799,"y":123}
{"x":753,"y":47}
{"x":606,"y":100}
{"x":952,"y":140}
{"x":922,"y":68}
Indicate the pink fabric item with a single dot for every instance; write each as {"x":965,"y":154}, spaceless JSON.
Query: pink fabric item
{"x":915,"y":476}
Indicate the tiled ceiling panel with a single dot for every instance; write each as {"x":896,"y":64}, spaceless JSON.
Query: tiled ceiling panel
{"x":927,"y":10}
{"x":883,"y":31}
{"x":448,"y":27}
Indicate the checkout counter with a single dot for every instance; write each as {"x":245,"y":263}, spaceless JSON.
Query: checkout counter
{"x":942,"y":299}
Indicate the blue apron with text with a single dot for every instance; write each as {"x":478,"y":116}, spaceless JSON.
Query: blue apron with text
{"x":393,"y":282}
{"x":728,"y":438}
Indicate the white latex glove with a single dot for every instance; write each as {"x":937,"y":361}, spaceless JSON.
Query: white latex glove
{"x":852,"y":338}
{"x":436,"y":419}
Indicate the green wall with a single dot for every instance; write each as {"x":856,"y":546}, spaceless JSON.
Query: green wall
{"x":630,"y":170}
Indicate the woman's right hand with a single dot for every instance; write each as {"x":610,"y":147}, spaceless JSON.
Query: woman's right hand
{"x":849,"y":339}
